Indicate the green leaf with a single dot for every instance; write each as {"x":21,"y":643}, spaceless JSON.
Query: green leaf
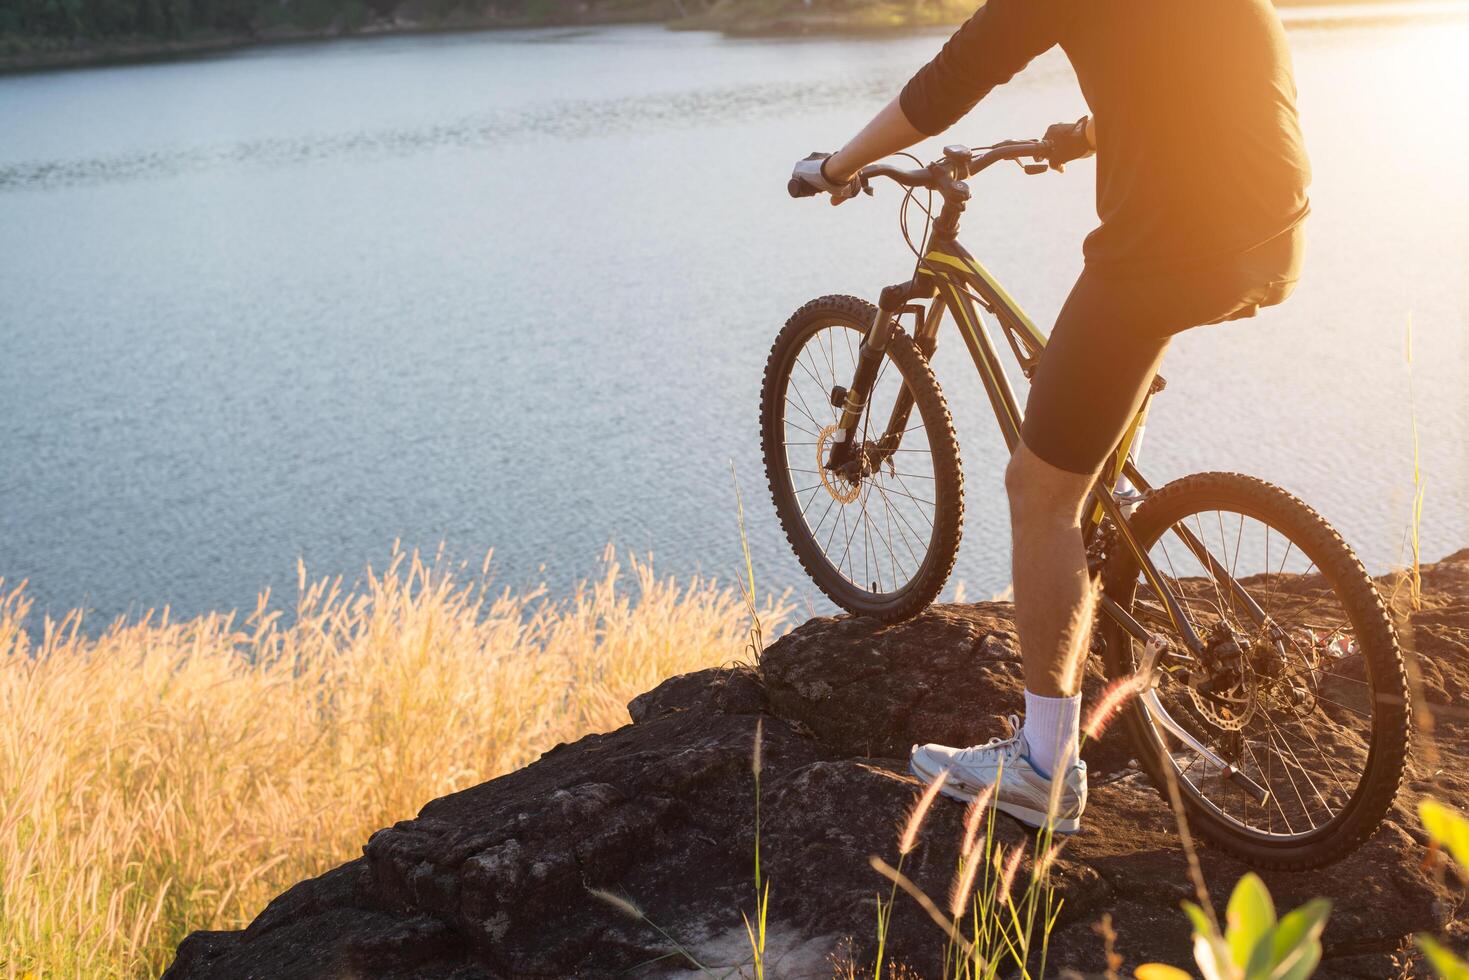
{"x":1198,"y":919}
{"x":1295,"y":944}
{"x":1448,"y":827}
{"x":1212,"y":956}
{"x":1300,"y":964}
{"x":1250,"y":917}
{"x":1444,"y":963}
{"x":1259,"y":961}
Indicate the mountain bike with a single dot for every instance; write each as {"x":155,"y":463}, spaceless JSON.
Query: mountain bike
{"x":1271,"y":685}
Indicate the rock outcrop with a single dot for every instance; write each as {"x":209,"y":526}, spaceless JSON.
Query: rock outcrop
{"x":496,"y":881}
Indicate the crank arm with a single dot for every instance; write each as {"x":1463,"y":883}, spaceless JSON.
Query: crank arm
{"x":1149,"y":698}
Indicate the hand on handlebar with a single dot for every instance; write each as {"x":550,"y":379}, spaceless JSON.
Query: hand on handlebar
{"x":1069,"y":141}
{"x":808,"y":178}
{"x":945,"y":176}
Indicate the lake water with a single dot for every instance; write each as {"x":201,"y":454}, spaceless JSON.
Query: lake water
{"x":515,"y":290}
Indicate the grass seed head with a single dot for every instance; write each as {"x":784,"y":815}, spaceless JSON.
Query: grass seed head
{"x":963,"y":887}
{"x":909,"y":837}
{"x":974,"y":819}
{"x":621,"y":904}
{"x":1079,"y":637}
{"x":1118,"y":693}
{"x":1007,"y":877}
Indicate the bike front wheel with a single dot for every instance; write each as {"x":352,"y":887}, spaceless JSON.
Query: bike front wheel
{"x":878,"y":537}
{"x":1288,"y":741}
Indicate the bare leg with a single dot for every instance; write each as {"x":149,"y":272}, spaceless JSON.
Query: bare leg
{"x":1048,"y":565}
{"x":1051,"y":591}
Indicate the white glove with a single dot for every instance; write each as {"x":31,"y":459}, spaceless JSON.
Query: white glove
{"x":809,"y":173}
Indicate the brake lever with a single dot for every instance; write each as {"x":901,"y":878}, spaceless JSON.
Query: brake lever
{"x":1038,"y":167}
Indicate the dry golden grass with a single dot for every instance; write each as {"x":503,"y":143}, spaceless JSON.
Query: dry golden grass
{"x":167,"y":776}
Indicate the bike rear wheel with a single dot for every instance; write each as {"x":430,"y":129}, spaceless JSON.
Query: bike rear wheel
{"x":1304,"y":693}
{"x":880,"y":538}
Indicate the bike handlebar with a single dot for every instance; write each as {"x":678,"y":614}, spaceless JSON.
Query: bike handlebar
{"x":941,"y":175}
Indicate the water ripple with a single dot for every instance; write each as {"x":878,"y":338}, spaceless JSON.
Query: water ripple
{"x":579,"y":119}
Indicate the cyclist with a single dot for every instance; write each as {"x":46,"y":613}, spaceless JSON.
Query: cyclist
{"x":1201,"y":191}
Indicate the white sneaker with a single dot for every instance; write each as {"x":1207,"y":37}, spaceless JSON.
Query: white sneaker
{"x":1023,"y":792}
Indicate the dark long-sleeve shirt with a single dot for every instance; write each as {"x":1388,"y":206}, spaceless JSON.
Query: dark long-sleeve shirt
{"x":1199,"y":146}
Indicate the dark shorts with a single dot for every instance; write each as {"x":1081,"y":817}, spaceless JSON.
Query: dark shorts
{"x":1111,"y":334}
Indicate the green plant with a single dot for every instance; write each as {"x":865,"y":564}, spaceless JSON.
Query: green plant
{"x":1447,"y":828}
{"x":1255,"y":945}
{"x":906,"y":842}
{"x":1415,"y":573}
{"x":630,"y":909}
{"x":756,"y":931}
{"x":992,"y":920}
{"x":756,"y":649}
{"x":762,"y":885}
{"x":1442,"y":959}
{"x":756,"y":645}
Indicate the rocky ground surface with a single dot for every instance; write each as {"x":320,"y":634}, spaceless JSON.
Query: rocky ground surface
{"x":495,"y":881}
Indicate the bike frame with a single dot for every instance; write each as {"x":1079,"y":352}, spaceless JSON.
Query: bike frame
{"x":952,"y":276}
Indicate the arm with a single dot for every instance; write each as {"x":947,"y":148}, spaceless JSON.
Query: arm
{"x":988,"y":50}
{"x":999,"y":40}
{"x":887,"y":133}
{"x":890,"y":131}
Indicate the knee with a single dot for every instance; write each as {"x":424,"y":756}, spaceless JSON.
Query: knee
{"x":1029,"y":505}
{"x":1041,"y":494}
{"x":1015,"y":478}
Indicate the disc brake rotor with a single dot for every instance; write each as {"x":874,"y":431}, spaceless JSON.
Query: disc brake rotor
{"x":1229,"y":708}
{"x":840,"y":489}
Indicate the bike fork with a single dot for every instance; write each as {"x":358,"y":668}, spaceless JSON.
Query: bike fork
{"x":925,"y":334}
{"x":869,"y":360}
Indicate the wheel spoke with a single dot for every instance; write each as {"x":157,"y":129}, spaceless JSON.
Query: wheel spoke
{"x":902,"y":523}
{"x":808,"y":432}
{"x":910,"y":496}
{"x":804,"y":411}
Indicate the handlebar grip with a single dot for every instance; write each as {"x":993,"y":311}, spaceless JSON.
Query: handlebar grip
{"x":799,"y":188}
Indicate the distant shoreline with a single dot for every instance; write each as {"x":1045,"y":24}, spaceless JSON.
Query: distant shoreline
{"x":136,"y":50}
{"x":52,"y":54}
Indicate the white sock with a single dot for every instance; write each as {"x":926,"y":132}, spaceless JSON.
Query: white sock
{"x":1052,"y":726}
